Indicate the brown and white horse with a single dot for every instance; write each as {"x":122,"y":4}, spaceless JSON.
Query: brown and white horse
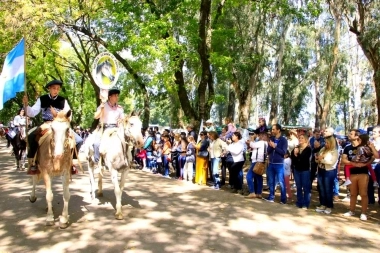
{"x":116,"y":152}
{"x":55,"y":159}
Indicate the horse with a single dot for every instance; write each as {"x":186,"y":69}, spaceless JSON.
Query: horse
{"x":120,"y":141}
{"x":54,"y":158}
{"x":19,"y":147}
{"x":104,"y":70}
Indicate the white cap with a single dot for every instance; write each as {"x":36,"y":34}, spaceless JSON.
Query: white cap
{"x":209,"y":121}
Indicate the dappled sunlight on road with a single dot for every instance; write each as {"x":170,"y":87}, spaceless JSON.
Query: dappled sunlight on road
{"x":165,"y":215}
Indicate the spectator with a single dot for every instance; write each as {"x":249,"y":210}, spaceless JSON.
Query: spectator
{"x":201,"y":162}
{"x":326,"y":159}
{"x":166,"y":154}
{"x":301,"y":163}
{"x":316,"y":144}
{"x":216,"y":148}
{"x":255,"y":181}
{"x":359,"y":178}
{"x":209,"y":126}
{"x":236,"y":149}
{"x":277,"y":147}
{"x":175,"y":151}
{"x":292,"y":141}
{"x":182,"y":155}
{"x":190,"y":160}
{"x":191,"y":132}
{"x":262,"y":126}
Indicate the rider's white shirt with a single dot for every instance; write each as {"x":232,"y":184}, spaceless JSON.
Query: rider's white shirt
{"x":111,"y":114}
{"x":19,"y":120}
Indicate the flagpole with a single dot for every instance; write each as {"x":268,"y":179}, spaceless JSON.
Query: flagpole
{"x":25,"y":104}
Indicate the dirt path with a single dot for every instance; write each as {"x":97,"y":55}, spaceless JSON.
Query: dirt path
{"x":164,"y":215}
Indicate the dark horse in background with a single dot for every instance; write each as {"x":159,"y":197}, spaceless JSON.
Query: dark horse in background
{"x":19,"y":146}
{"x":104,"y":70}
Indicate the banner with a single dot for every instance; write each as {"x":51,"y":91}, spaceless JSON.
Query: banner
{"x":12,"y":77}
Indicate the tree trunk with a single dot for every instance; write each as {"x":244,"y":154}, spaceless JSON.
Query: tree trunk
{"x":330,"y":77}
{"x":206,"y":81}
{"x":276,"y":87}
{"x":231,"y":102}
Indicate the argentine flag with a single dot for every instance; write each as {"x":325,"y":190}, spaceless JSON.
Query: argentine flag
{"x":12,"y":77}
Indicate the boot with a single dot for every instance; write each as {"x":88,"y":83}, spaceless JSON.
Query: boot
{"x":32,"y":168}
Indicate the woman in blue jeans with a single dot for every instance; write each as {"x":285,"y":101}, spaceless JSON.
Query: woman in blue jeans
{"x":326,"y":160}
{"x":301,"y":164}
{"x":255,"y":181}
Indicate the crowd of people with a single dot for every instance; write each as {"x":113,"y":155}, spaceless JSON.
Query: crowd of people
{"x":206,"y":158}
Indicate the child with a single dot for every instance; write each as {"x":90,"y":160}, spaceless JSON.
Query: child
{"x":157,"y":157}
{"x":287,"y":172}
{"x":363,"y":154}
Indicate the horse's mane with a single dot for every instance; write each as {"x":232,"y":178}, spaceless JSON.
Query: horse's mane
{"x":101,"y":65}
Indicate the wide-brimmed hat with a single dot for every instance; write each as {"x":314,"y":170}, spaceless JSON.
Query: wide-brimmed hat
{"x":55,"y":81}
{"x":113,"y":91}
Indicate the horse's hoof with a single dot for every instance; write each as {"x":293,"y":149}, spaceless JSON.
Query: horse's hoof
{"x":32,"y":199}
{"x":63,"y":225}
{"x":100,"y":195}
{"x":119,"y":216}
{"x":50,"y":223}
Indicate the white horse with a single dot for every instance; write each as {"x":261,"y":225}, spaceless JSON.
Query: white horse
{"x":115,"y":148}
{"x":55,"y":159}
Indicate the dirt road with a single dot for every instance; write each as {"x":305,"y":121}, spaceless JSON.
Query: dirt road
{"x":164,"y":215}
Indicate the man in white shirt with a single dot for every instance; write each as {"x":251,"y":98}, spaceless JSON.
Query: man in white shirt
{"x":109,"y":114}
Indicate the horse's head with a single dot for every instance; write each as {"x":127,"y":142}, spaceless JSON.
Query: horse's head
{"x":105,"y":68}
{"x":132,"y":130}
{"x":60,"y":127}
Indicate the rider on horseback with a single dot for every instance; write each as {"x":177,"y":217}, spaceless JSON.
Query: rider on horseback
{"x":110,"y":114}
{"x":49,"y":105}
{"x":19,"y":120}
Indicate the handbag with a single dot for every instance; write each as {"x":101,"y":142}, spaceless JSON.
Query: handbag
{"x":169,"y":157}
{"x":229,"y":158}
{"x":259,"y":168}
{"x":203,"y":154}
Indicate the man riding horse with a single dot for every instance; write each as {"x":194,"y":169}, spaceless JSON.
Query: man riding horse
{"x":49,"y":105}
{"x":110,"y":115}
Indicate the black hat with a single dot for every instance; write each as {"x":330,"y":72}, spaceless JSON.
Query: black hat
{"x":113,"y":91}
{"x":55,"y":81}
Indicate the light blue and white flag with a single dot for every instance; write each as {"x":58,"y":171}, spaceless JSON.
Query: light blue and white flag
{"x":12,"y":77}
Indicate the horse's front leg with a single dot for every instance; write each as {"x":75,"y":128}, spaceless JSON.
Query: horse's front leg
{"x":64,"y":218}
{"x":92,"y":178}
{"x":118,"y":192}
{"x":49,"y":200}
{"x":32,"y":197}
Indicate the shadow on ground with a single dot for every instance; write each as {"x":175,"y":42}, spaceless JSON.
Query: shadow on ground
{"x":164,"y":215}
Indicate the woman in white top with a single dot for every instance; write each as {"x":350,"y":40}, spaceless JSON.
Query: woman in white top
{"x":216,"y":148}
{"x":235,"y":162}
{"x":326,"y":159}
{"x":19,"y":120}
{"x":255,"y":181}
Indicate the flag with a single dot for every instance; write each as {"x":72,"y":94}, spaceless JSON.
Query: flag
{"x":12,"y":77}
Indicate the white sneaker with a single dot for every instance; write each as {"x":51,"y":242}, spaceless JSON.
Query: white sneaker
{"x":349,"y":214}
{"x":376,"y":184}
{"x":346,"y":199}
{"x":363,"y":217}
{"x":320,"y":209}
{"x":348,"y":182}
{"x":327,"y":211}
